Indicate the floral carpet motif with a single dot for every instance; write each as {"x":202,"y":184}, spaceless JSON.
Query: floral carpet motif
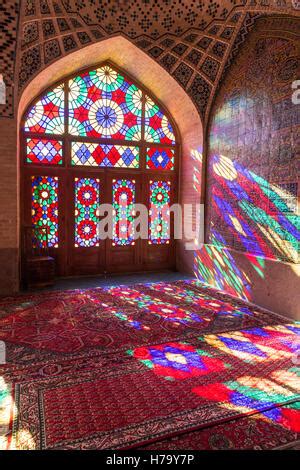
{"x":121,"y":367}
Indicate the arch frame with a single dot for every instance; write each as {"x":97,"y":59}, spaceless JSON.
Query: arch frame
{"x":142,"y":144}
{"x":127,"y":76}
{"x":68,"y":173}
{"x":150,"y":76}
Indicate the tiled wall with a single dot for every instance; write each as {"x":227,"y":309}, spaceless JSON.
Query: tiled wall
{"x":254,"y":156}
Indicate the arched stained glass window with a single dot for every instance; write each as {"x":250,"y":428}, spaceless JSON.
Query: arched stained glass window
{"x":90,"y":139}
{"x":101,"y":104}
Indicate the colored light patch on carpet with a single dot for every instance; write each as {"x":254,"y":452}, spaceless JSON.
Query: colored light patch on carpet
{"x":249,"y":393}
{"x":287,"y":337}
{"x":110,"y":402}
{"x":200,"y":300}
{"x":289,"y":417}
{"x":177,"y":361}
{"x":153,"y":305}
{"x":257,"y":344}
{"x":6,"y":404}
{"x":130,"y":320}
{"x":119,"y":318}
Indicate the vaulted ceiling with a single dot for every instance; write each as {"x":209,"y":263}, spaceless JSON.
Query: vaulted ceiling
{"x":193,"y":40}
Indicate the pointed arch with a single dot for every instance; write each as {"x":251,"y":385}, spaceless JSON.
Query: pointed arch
{"x":162,"y":95}
{"x":101,"y":102}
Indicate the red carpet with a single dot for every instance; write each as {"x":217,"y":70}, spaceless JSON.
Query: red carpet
{"x":258,"y":432}
{"x":118,"y":318}
{"x":122,"y":367}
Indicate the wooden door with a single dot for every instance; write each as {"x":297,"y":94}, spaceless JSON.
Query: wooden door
{"x":86,"y":253}
{"x":123,"y":250}
{"x":159,"y":251}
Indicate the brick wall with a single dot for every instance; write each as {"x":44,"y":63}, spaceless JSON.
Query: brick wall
{"x":9,"y":228}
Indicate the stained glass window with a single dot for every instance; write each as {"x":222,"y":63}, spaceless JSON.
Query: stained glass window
{"x":157,"y":126}
{"x":87,"y":192}
{"x":160,"y":158}
{"x":159,"y":223}
{"x":44,"y":151}
{"x":44,"y":207}
{"x":123,"y":215}
{"x":47,"y":115}
{"x":117,"y":156}
{"x":118,"y":126}
{"x":103,"y":104}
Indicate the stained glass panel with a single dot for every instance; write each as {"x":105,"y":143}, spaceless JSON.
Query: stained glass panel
{"x":160,"y":158}
{"x":123,"y":201}
{"x":47,"y":115}
{"x":157,"y":126}
{"x":103,"y":104}
{"x":159,"y":223}
{"x":117,"y":156}
{"x":44,"y":151}
{"x":44,"y":207}
{"x":87,"y":193}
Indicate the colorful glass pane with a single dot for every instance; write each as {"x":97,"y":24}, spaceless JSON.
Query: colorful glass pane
{"x":159,"y":224}
{"x":157,"y":126}
{"x":160,"y":158}
{"x":87,"y":192}
{"x":44,"y":207}
{"x":117,"y":156}
{"x":123,"y":215}
{"x":44,"y":151}
{"x":103,"y":104}
{"x":47,"y":115}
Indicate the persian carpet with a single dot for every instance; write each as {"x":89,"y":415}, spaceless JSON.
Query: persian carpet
{"x":277,"y":428}
{"x":114,"y":319}
{"x":122,"y":367}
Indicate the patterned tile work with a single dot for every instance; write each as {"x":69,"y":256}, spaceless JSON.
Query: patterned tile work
{"x":30,"y":64}
{"x":30,"y":33}
{"x":183,"y":74}
{"x":51,"y":51}
{"x":253,"y":174}
{"x":180,"y":34}
{"x":210,"y":68}
{"x":200,"y":91}
{"x":48,"y":28}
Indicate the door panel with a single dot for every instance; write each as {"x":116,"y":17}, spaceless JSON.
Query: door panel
{"x":86,"y":252}
{"x":43,"y":196}
{"x":159,"y":250}
{"x":123,"y":251}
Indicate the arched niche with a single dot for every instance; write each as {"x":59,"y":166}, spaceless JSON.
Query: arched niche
{"x":125,"y":55}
